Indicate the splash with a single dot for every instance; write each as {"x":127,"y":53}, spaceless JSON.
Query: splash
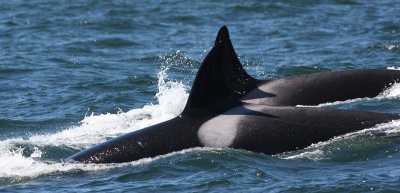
{"x":17,"y":164}
{"x":16,"y":168}
{"x":393,"y":92}
{"x":393,"y":68}
{"x":392,"y":47}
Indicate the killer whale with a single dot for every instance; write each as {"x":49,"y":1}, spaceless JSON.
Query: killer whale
{"x":217,"y":115}
{"x":309,"y":89}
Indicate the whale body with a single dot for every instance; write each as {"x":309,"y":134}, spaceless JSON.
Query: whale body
{"x":308,"y":89}
{"x":227,"y":108}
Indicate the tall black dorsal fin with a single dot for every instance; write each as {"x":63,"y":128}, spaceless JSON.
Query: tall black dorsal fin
{"x":209,"y":86}
{"x":221,"y":78}
{"x":238,"y":80}
{"x":223,"y":35}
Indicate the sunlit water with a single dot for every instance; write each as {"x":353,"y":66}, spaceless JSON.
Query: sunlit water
{"x":75,"y":74}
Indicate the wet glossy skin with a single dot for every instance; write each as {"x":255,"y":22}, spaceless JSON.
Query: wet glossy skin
{"x":229,"y":109}
{"x":258,"y":128}
{"x":314,"y":89}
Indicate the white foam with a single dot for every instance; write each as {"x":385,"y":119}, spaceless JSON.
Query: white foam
{"x":93,"y":129}
{"x":19,"y":167}
{"x":392,"y":47}
{"x":312,"y":154}
{"x":393,"y":68}
{"x":336,"y":103}
{"x":393,"y":92}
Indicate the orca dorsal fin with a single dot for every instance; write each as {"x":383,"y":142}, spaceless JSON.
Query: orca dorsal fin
{"x":239,"y":81}
{"x":209,"y":85}
{"x":221,"y":78}
{"x":223,"y":34}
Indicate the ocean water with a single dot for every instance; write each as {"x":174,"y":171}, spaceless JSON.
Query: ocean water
{"x":76,"y":73}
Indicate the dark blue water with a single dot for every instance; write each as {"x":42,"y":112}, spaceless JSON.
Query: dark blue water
{"x":76,"y":73}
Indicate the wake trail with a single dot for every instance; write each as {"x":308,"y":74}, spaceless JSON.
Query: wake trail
{"x":17,"y":164}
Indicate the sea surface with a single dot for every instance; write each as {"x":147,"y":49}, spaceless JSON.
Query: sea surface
{"x":77,"y":73}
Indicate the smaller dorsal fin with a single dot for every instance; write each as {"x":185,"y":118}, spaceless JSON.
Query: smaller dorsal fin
{"x":221,"y":78}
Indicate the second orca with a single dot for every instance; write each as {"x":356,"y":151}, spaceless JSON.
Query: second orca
{"x":309,"y":89}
